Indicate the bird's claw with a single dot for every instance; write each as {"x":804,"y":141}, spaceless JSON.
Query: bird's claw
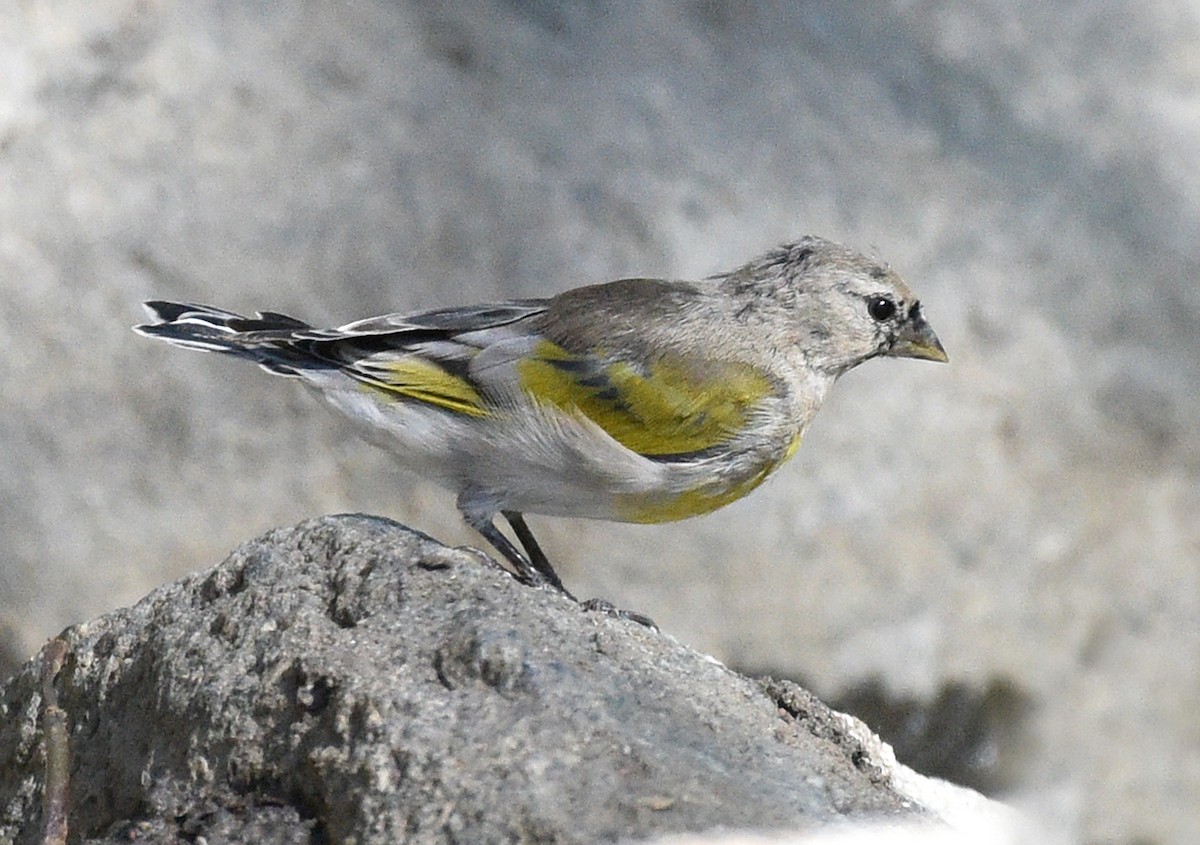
{"x":609,"y":609}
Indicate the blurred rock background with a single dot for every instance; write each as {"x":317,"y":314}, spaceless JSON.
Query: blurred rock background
{"x":1007,"y":546}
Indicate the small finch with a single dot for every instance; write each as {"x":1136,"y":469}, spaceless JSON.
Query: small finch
{"x":640,"y":400}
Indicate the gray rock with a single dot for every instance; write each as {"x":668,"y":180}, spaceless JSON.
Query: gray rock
{"x":350,"y":680}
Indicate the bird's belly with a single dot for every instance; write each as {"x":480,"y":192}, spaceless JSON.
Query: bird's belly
{"x":537,"y":461}
{"x":672,"y":493}
{"x":704,"y":495}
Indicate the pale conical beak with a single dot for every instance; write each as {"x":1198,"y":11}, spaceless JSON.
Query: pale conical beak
{"x":917,"y":340}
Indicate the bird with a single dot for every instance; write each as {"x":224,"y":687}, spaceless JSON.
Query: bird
{"x":640,"y":400}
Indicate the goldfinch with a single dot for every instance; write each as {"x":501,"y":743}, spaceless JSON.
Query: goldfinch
{"x":639,"y":400}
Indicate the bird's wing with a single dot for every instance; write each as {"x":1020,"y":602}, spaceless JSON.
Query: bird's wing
{"x":620,"y":355}
{"x":666,"y":408}
{"x":447,"y":321}
{"x":480,"y":360}
{"x":424,"y":357}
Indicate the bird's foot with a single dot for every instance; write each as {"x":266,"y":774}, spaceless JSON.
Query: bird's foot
{"x":609,"y":609}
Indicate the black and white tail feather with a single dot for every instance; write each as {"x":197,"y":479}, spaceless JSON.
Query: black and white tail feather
{"x":285,"y":346}
{"x":268,"y":339}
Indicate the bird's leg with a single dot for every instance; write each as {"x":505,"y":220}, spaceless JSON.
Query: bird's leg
{"x":609,"y":609}
{"x":526,"y":572}
{"x":532,"y":567}
{"x":537,"y":558}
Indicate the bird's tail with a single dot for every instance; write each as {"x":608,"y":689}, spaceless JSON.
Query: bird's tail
{"x":270,"y":339}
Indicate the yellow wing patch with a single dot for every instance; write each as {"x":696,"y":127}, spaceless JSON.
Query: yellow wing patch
{"x":662,"y":409}
{"x":424,"y":381}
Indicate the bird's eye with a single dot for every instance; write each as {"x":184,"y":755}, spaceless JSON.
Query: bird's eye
{"x":881,"y":308}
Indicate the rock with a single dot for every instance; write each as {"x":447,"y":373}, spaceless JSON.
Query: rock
{"x":351,"y":680}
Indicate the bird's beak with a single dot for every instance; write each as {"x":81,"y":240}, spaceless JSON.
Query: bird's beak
{"x":917,"y":340}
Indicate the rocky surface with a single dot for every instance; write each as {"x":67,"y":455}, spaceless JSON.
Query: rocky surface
{"x":1022,"y":519}
{"x":349,"y":680}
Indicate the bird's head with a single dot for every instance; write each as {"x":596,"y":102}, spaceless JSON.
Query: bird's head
{"x":841,"y":307}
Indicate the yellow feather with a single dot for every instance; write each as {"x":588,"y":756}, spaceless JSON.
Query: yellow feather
{"x":651,"y":508}
{"x":665,"y":409}
{"x":425,"y":381}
